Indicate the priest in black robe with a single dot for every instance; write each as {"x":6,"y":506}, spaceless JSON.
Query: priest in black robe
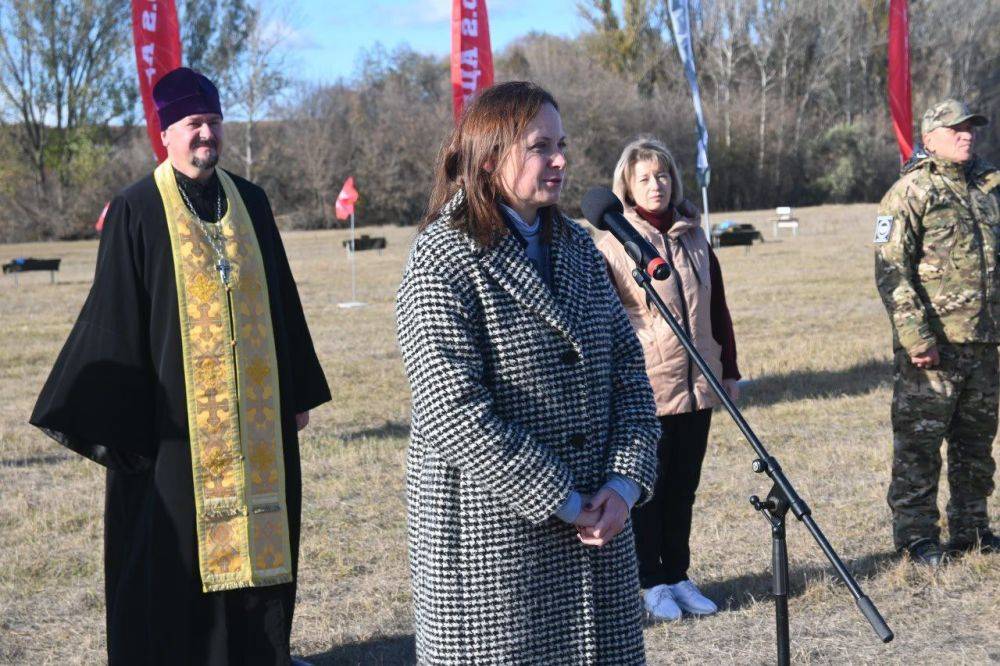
{"x":200,"y":548}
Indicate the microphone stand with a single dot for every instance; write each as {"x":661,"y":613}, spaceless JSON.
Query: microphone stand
{"x":781,"y":499}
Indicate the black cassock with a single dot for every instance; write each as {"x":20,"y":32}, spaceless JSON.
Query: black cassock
{"x":117,"y":396}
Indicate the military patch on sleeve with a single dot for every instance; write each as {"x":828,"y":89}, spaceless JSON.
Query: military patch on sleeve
{"x":883,"y":228}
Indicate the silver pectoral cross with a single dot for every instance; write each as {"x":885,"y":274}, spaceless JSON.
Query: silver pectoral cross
{"x":225,"y":270}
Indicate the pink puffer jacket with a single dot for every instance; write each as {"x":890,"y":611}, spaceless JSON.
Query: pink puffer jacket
{"x":678,"y":385}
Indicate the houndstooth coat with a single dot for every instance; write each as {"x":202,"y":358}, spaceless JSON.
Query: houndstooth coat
{"x":519,"y":395}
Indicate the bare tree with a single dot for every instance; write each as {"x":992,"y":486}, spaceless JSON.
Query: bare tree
{"x":63,"y":70}
{"x":761,"y":28}
{"x":214,"y":35}
{"x":317,"y":132}
{"x":723,"y":49}
{"x":814,"y":69}
{"x":779,"y":78}
{"x":258,"y":74}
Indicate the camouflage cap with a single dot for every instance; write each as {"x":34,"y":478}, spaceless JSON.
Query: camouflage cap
{"x":949,"y":113}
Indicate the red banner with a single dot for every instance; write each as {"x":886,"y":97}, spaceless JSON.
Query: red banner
{"x":899,"y":76}
{"x":157,"y":38}
{"x":471,"y":56}
{"x":344,"y":207}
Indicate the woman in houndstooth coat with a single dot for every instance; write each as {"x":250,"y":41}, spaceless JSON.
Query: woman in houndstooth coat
{"x":533,"y":426}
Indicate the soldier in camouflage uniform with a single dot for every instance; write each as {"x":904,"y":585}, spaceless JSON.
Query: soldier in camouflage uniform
{"x":937,"y":236}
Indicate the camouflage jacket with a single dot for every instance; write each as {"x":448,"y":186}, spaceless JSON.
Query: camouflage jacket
{"x":937,"y":236}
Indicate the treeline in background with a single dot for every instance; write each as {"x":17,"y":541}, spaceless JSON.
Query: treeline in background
{"x":794,"y":96}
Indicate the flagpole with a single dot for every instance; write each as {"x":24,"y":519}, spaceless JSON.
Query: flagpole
{"x":706,"y":225}
{"x":354,"y":268}
{"x":354,"y":302}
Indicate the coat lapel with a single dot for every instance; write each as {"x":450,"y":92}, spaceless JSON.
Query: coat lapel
{"x":509,"y":266}
{"x":571,"y":274}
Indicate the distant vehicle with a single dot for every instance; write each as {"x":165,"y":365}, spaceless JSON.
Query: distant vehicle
{"x":733,"y":233}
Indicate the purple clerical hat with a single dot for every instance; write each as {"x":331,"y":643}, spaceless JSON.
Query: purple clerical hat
{"x":184,"y":92}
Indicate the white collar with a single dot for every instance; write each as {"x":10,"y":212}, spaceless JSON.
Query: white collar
{"x":516,"y":219}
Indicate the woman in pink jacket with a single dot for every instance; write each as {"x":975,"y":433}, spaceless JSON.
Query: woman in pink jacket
{"x":648,"y":183}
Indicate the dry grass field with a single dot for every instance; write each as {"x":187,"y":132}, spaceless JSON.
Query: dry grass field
{"x":813,"y":341}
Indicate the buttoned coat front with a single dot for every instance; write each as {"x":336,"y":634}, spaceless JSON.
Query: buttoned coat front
{"x":521,"y":394}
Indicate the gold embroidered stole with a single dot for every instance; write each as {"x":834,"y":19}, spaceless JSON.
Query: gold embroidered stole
{"x":231,"y":379}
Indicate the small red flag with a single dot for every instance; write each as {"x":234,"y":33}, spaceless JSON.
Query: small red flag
{"x":346,"y":199}
{"x":100,"y":219}
{"x":471,"y":56}
{"x":157,"y":40}
{"x":900,"y":105}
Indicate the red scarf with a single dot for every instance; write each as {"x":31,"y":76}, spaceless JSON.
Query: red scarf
{"x":661,"y":221}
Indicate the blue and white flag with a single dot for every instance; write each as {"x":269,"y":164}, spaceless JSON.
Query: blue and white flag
{"x":682,"y":34}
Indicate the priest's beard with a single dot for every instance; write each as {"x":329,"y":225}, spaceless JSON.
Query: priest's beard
{"x":207,"y":163}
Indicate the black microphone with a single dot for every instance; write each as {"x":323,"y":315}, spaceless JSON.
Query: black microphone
{"x":604,"y":210}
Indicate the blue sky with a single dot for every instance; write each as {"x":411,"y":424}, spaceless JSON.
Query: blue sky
{"x":325,"y":37}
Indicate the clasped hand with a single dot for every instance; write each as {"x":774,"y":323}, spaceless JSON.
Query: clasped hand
{"x":602,"y":518}
{"x":929,"y":359}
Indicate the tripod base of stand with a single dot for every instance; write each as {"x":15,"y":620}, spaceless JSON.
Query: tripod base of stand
{"x":779,"y":501}
{"x":774,"y":509}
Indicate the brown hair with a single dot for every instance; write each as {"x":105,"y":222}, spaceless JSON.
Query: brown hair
{"x":490,"y":127}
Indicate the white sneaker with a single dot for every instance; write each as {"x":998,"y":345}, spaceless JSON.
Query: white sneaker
{"x":660,"y":603}
{"x":689,"y":598}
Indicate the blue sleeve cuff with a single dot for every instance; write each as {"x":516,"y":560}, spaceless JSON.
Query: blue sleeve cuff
{"x":625,"y":487}
{"x":570,"y":510}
